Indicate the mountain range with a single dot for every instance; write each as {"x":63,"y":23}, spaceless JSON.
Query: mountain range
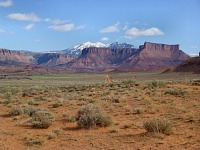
{"x":100,"y":57}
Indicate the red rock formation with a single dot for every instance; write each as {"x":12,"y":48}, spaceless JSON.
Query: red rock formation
{"x":154,"y":55}
{"x":53,"y":59}
{"x":148,"y":56}
{"x":9,"y":57}
{"x":190,"y":65}
{"x":14,"y":57}
{"x":101,"y":58}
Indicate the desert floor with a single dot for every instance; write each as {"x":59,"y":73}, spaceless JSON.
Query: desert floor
{"x":131,"y":100}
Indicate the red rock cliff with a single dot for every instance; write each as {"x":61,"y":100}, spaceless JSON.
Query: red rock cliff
{"x":14,"y":57}
{"x":148,"y":56}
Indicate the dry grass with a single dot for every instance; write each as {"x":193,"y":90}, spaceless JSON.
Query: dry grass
{"x":159,"y":126}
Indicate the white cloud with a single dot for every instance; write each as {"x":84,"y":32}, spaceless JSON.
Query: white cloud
{"x":24,"y":17}
{"x":6,"y":3}
{"x":66,"y":27}
{"x":113,"y":28}
{"x":104,"y":39}
{"x":56,"y":21}
{"x":125,"y":26}
{"x":29,"y":27}
{"x":1,"y":30}
{"x":144,"y":32}
{"x":129,"y":37}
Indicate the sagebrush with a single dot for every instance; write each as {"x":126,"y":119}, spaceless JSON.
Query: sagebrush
{"x":91,"y":116}
{"x":159,"y":126}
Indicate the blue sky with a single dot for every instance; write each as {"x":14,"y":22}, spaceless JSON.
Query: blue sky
{"x":42,"y":25}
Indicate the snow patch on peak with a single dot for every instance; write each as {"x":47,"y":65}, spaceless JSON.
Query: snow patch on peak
{"x":76,"y":50}
{"x":89,"y":44}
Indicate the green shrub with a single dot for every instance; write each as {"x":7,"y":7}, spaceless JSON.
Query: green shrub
{"x":159,"y":126}
{"x":8,"y":97}
{"x":12,"y":90}
{"x":91,"y":116}
{"x":29,"y":110}
{"x":129,"y":81}
{"x":156,"y":84}
{"x":175,"y":92}
{"x":71,"y":119}
{"x":16,"y":111}
{"x":42,"y":119}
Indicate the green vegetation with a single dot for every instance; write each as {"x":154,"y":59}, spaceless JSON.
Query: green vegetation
{"x":176,"y":92}
{"x":42,"y":119}
{"x":29,"y":110}
{"x":91,"y":116}
{"x":156,"y":84}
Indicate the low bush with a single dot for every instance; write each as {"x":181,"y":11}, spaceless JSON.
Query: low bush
{"x":156,"y":84}
{"x":176,"y":92}
{"x":91,"y":116}
{"x":15,"y":111}
{"x":159,"y":126}
{"x":29,"y":110}
{"x":34,"y":141}
{"x":56,"y":105}
{"x":42,"y":119}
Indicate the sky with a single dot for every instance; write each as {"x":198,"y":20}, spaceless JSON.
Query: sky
{"x":42,"y":25}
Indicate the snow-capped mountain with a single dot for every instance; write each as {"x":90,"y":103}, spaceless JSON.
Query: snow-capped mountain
{"x":89,"y":44}
{"x":76,"y":50}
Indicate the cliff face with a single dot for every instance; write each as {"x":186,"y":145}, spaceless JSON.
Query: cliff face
{"x":154,"y":55}
{"x":148,"y":56}
{"x":9,"y":57}
{"x":53,"y":59}
{"x":100,"y":58}
{"x":14,"y":57}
